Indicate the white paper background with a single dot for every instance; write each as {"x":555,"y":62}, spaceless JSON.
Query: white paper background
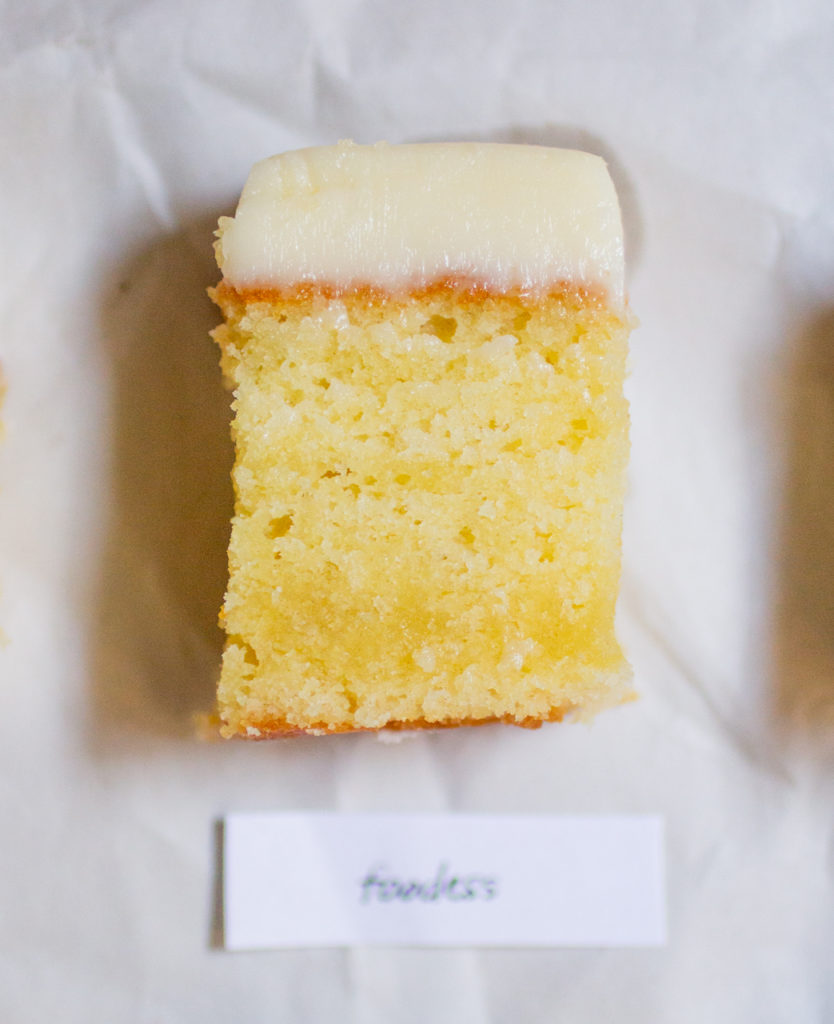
{"x":126,"y":128}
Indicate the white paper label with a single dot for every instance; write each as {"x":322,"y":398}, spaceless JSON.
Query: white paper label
{"x":311,"y":879}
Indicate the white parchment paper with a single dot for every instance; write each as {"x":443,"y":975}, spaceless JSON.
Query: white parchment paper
{"x":127,"y":128}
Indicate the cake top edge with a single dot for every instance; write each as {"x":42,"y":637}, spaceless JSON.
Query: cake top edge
{"x":512,"y":217}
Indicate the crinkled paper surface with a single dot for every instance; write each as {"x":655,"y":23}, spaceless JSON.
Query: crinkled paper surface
{"x":127,"y":128}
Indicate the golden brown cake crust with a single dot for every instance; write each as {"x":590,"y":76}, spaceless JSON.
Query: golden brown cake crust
{"x":274,"y":728}
{"x":231,"y":299}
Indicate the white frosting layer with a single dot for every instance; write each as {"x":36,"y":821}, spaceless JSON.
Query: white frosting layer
{"x":508,"y":217}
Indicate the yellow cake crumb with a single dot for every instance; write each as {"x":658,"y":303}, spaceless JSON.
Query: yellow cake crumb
{"x":429,"y":490}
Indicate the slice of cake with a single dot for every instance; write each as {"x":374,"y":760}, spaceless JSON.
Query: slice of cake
{"x":427,"y":346}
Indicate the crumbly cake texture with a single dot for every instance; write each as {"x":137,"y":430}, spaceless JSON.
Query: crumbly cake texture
{"x":429,"y":488}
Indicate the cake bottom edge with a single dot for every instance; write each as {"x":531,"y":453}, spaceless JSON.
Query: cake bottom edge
{"x":277,"y":728}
